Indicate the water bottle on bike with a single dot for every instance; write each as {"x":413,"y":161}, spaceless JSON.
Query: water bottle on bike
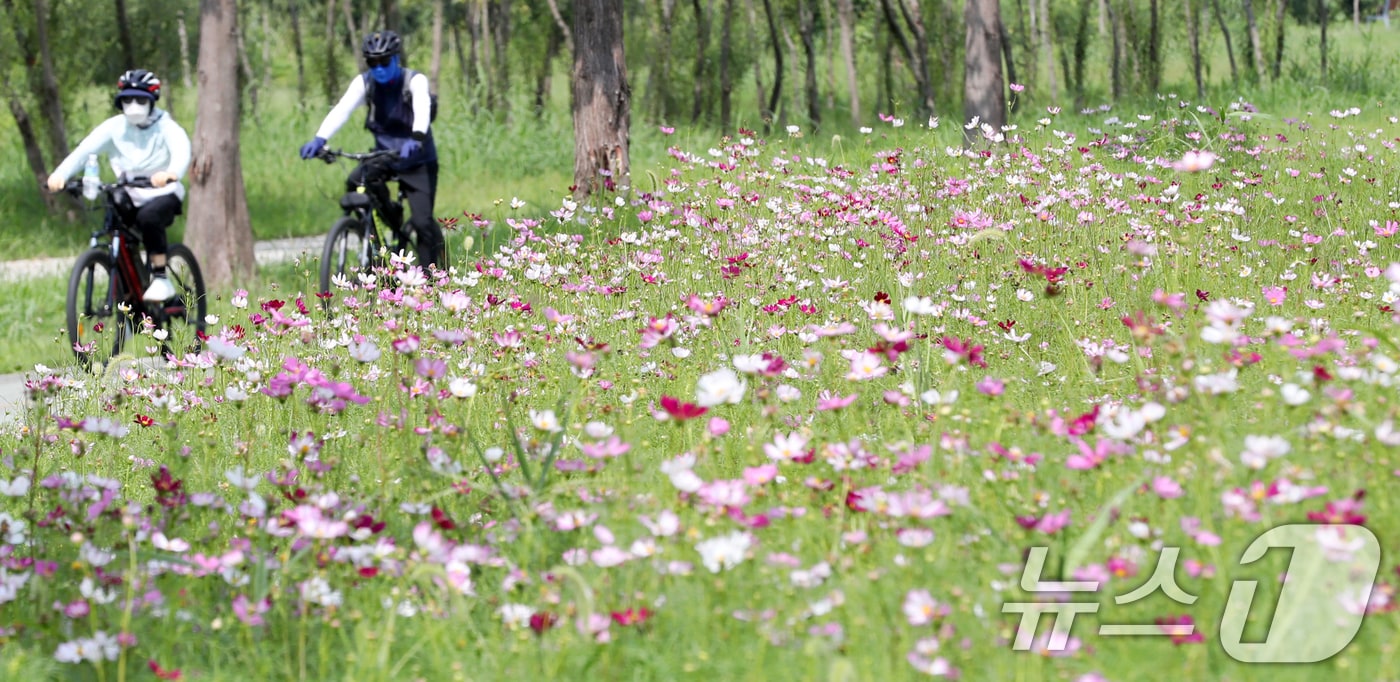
{"x":92,"y":178}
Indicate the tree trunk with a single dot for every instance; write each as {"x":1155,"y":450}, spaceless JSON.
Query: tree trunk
{"x":1081,"y":49}
{"x":770,"y":110}
{"x":1154,"y":49}
{"x":294,"y":10}
{"x":1116,"y":61}
{"x":542,"y":81}
{"x":331,"y":84}
{"x":217,"y":228}
{"x":50,"y":103}
{"x":846,"y":16}
{"x":389,"y":10}
{"x":830,"y":44}
{"x":984,"y":91}
{"x":124,"y":37}
{"x":435,"y":60}
{"x":563,"y":25}
{"x":1010,"y":61}
{"x":726,"y":79}
{"x":500,"y":53}
{"x":463,"y":68}
{"x":602,"y":99}
{"x":1193,"y":39}
{"x":33,"y":150}
{"x":1280,"y":28}
{"x":807,"y":26}
{"x":1356,"y":12}
{"x":702,"y":42}
{"x":1322,"y":20}
{"x":914,"y":16}
{"x":759,"y":88}
{"x":1256,"y":47}
{"x":1049,"y":48}
{"x":897,"y":35}
{"x":248,"y":79}
{"x":659,"y":72}
{"x":1229,"y":46}
{"x":354,"y":37}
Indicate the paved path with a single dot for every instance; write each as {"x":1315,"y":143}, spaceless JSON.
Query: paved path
{"x":12,"y":385}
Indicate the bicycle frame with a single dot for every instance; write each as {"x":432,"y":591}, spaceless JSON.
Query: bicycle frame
{"x":369,"y":215}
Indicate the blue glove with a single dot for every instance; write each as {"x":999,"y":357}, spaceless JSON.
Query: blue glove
{"x":312,"y":148}
{"x":410,"y":148}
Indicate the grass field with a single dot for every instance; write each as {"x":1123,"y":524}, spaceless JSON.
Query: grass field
{"x":801,"y":412}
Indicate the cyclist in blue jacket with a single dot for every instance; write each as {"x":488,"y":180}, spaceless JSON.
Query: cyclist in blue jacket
{"x":400,"y":117}
{"x":142,"y":141}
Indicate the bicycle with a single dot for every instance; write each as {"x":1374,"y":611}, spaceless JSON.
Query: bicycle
{"x":108,"y":281}
{"x":354,"y":243}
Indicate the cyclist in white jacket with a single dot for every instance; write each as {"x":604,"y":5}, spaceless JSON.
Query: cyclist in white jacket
{"x":142,"y":141}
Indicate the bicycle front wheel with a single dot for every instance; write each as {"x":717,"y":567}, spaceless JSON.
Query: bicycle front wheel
{"x":182,"y":317}
{"x":97,"y":325}
{"x":348,"y":252}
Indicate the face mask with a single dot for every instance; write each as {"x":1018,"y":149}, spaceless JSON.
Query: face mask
{"x":137,"y":113}
{"x":386,"y":74}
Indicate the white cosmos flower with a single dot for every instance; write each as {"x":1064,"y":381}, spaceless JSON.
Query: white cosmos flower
{"x":719,"y":387}
{"x":724,"y":552}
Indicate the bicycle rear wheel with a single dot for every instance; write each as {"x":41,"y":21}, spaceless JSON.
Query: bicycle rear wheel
{"x":97,"y":325}
{"x":347,"y":253}
{"x":182,"y":317}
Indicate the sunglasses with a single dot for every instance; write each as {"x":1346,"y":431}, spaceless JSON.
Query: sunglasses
{"x":376,"y":62}
{"x":128,"y":100}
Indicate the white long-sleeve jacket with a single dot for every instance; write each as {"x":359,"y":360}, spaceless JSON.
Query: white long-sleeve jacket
{"x":138,"y":152}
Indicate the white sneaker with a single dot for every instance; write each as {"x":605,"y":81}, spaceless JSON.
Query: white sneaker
{"x":159,"y":290}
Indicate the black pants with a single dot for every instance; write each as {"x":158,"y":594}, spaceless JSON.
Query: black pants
{"x":152,"y":220}
{"x":419,"y":187}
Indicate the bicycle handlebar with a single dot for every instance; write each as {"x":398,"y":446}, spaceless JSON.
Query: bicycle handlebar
{"x":330,"y":155}
{"x":75,"y":185}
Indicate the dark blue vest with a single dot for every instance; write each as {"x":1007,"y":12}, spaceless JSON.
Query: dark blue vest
{"x":390,"y":119}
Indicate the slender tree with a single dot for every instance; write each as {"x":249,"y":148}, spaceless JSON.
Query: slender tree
{"x":807,"y":30}
{"x":702,"y":41}
{"x":50,"y":103}
{"x":984,"y":91}
{"x":217,"y":226}
{"x":1193,"y":38}
{"x":1280,"y":29}
{"x":846,"y":17}
{"x":726,"y":59}
{"x":602,"y":99}
{"x":124,"y":36}
{"x":1229,"y":46}
{"x":1256,"y":47}
{"x":294,"y":13}
{"x":1322,"y":20}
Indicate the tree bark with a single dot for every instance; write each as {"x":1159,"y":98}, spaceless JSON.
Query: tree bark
{"x":354,"y":36}
{"x":914,"y":16}
{"x":563,"y":25}
{"x":435,"y":60}
{"x":217,"y":228}
{"x":1229,"y":46}
{"x":770,"y":110}
{"x":294,"y":11}
{"x":33,"y":150}
{"x":1116,"y":61}
{"x":1280,"y":28}
{"x":1322,"y":20}
{"x":807,"y":25}
{"x":702,"y":42}
{"x":1081,"y":49}
{"x":50,"y":103}
{"x":1154,"y":49}
{"x":1256,"y":47}
{"x":500,"y":53}
{"x":1049,"y":48}
{"x":984,"y":91}
{"x":248,"y":79}
{"x":331,"y":84}
{"x":726,"y":78}
{"x":1193,"y":39}
{"x":1010,"y":61}
{"x":659,"y":73}
{"x":389,"y":10}
{"x":542,"y":81}
{"x":124,"y":36}
{"x":602,"y":99}
{"x":846,"y":16}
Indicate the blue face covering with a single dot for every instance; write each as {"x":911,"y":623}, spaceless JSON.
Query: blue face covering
{"x":389,"y":73}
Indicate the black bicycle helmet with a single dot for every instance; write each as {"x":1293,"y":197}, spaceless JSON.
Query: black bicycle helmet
{"x":382,"y":44}
{"x":137,"y":83}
